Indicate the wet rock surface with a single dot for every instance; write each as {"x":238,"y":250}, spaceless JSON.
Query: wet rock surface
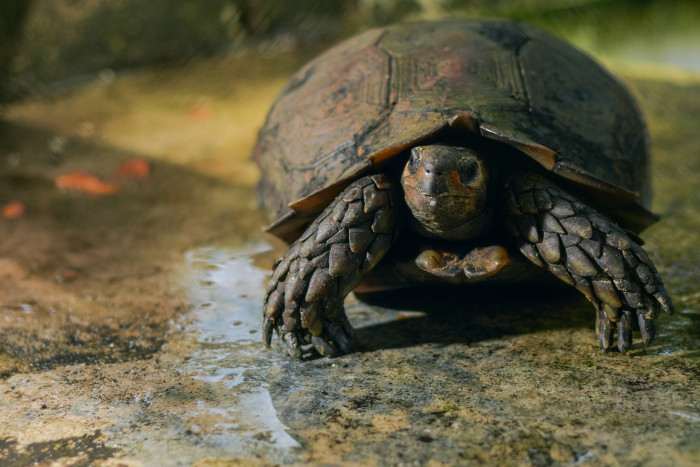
{"x":452,"y":389}
{"x":147,"y":351}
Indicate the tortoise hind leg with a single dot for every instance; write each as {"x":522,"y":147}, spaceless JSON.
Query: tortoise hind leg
{"x":304,"y":299}
{"x":584,"y":249}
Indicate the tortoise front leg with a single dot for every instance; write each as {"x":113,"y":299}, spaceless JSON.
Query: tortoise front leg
{"x":304,"y":299}
{"x":588,"y":251}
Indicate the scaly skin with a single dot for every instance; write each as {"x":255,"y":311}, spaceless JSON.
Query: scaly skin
{"x":304,"y":299}
{"x":554,"y":230}
{"x":586,"y":250}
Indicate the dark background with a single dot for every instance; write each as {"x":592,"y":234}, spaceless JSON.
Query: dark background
{"x":58,"y":43}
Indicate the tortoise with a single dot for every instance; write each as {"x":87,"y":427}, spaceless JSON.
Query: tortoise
{"x":455,"y":151}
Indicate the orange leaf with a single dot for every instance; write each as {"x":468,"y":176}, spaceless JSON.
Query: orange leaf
{"x":134,"y":168}
{"x":67,"y":275}
{"x":85,"y":182}
{"x":200,"y":113}
{"x":13,"y":210}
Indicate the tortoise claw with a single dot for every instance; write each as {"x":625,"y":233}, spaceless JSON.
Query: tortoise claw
{"x":323,"y":347}
{"x":624,"y":332}
{"x":605,"y":331}
{"x":664,"y":301}
{"x":293,"y":345}
{"x":646,"y":328}
{"x":268,"y":327}
{"x":340,"y":338}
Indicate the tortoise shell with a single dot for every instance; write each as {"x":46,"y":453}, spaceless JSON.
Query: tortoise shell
{"x":353,"y":108}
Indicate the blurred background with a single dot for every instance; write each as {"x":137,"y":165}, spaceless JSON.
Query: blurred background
{"x":61,"y":43}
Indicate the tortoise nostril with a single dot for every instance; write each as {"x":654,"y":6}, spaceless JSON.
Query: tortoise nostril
{"x":434,"y":185}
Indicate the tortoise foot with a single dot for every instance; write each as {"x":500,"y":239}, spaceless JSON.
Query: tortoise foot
{"x":477,"y":265}
{"x":590,"y":252}
{"x":304,"y":298}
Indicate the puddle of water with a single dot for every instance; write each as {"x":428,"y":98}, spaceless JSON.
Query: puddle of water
{"x":678,"y":335}
{"x":226,"y":292}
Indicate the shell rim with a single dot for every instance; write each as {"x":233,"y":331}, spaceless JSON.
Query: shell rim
{"x":624,"y":203}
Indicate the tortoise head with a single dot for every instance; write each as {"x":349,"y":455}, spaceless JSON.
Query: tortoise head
{"x":446,"y":189}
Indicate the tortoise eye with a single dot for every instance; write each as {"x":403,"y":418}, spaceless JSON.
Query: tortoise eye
{"x":413,"y":163}
{"x":468,"y":172}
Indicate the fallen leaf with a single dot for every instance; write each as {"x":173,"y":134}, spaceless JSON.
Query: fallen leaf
{"x":13,"y":210}
{"x":200,"y":113}
{"x":69,"y":274}
{"x":85,"y":182}
{"x":134,"y":168}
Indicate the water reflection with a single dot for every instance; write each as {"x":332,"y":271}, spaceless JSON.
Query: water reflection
{"x":226,"y":290}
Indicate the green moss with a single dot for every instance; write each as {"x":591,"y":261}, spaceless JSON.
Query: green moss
{"x":80,"y":451}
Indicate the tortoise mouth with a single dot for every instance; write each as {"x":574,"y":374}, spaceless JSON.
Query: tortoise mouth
{"x":475,"y":217}
{"x":443,"y":210}
{"x":440,"y":195}
{"x":458,"y":229}
{"x":438,"y":214}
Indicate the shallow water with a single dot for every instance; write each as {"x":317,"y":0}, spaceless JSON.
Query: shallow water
{"x":225,"y":290}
